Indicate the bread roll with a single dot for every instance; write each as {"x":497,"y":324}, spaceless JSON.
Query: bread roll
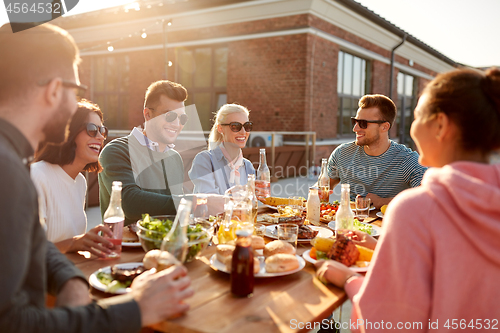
{"x":159,"y":259}
{"x":256,"y":264}
{"x":257,"y":242}
{"x":224,"y":251}
{"x":281,"y":262}
{"x":129,"y":236}
{"x":278,"y":246}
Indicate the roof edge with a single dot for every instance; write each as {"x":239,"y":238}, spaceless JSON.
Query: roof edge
{"x":377,"y":19}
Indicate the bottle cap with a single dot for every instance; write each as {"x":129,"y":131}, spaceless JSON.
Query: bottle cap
{"x":243,"y":233}
{"x":117,"y":185}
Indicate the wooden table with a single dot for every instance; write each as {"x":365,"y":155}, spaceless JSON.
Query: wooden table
{"x":278,"y":304}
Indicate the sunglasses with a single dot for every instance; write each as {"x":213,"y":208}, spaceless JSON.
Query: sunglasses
{"x":79,"y":89}
{"x":170,"y":116}
{"x":236,"y":126}
{"x":93,"y":129}
{"x":363,"y":124}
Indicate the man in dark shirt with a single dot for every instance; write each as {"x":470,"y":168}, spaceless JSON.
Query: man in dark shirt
{"x":38,"y":90}
{"x":145,"y":161}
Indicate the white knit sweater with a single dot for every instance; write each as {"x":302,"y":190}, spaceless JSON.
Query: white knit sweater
{"x":61,"y":201}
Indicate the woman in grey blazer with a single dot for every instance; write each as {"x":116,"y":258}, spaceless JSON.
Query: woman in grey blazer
{"x":222,"y":165}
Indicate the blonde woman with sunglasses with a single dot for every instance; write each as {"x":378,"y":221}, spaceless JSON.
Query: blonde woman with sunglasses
{"x":222,"y":165}
{"x":62,"y":188}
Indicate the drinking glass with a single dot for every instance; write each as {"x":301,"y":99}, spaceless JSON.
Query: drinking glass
{"x":289,"y":233}
{"x":362,"y":208}
{"x":296,"y":201}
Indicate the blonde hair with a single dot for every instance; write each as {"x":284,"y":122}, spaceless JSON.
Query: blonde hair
{"x":216,"y":138}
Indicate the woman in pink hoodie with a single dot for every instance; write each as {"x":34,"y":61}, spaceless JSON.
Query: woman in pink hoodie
{"x":437,"y":264}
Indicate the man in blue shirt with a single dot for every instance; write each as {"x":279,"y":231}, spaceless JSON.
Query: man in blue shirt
{"x":375,"y":166}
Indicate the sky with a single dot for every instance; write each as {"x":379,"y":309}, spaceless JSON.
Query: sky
{"x":467,"y":31}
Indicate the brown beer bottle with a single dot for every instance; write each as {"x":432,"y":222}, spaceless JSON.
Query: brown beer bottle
{"x":242,"y":279}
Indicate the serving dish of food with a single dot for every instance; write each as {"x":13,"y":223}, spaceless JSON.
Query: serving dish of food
{"x":275,"y":258}
{"x":261,"y":273}
{"x":152,"y":230}
{"x":116,"y":279}
{"x":370,"y":229}
{"x":130,"y":238}
{"x":341,"y":249}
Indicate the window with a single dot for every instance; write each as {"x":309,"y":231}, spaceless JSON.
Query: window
{"x":110,"y":83}
{"x":351,"y":86}
{"x":203,"y":71}
{"x":406,"y":104}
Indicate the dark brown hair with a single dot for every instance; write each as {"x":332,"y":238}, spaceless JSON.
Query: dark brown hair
{"x":167,"y":88}
{"x":471,"y":99}
{"x":65,"y":153}
{"x":385,"y":105}
{"x":33,"y":56}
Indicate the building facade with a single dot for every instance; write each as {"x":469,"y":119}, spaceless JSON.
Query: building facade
{"x":298,"y":65}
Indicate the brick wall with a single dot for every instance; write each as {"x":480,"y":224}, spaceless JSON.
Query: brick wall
{"x":322,"y":101}
{"x":271,"y":76}
{"x":268,"y":75}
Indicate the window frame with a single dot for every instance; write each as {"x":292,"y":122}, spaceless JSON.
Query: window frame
{"x":213,"y":90}
{"x":342,"y":97}
{"x":402,"y":134}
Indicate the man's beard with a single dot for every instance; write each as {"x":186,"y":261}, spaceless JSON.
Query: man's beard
{"x":368,"y":141}
{"x":56,"y":131}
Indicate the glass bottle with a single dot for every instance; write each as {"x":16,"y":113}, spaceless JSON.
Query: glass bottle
{"x":313,"y":206}
{"x":263,"y":181}
{"x":324,"y":182}
{"x":253,"y":197}
{"x":226,"y":229}
{"x":242,"y":278}
{"x":344,"y":218}
{"x":176,"y":242}
{"x":114,"y":218}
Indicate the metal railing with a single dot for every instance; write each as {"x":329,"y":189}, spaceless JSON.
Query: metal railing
{"x":308,"y":136}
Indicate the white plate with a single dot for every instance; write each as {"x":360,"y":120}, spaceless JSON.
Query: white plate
{"x":308,"y":258}
{"x":131,"y":244}
{"x":94,"y":281}
{"x":380,"y":214}
{"x":218,"y":266}
{"x":376,"y":230}
{"x":269,"y":206}
{"x":322,"y":232}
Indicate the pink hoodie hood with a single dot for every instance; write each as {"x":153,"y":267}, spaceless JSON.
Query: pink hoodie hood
{"x":471,"y":190}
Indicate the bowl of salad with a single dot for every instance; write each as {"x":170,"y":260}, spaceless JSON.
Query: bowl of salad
{"x":152,"y":230}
